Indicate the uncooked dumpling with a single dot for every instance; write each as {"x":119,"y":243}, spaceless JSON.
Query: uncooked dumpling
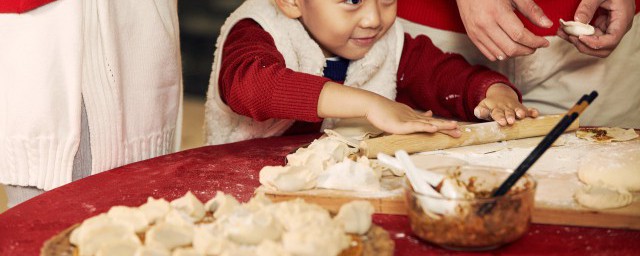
{"x":350,"y":175}
{"x":355,"y":217}
{"x":168,"y":236}
{"x":222,"y":205}
{"x":576,"y":28}
{"x":189,"y":205}
{"x":287,"y":178}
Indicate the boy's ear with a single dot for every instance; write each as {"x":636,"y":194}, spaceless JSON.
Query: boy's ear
{"x":290,"y":8}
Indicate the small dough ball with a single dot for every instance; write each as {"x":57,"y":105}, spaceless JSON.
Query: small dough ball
{"x":597,"y":197}
{"x":619,"y":169}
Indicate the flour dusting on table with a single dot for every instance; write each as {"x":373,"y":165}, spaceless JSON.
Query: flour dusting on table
{"x":555,"y":171}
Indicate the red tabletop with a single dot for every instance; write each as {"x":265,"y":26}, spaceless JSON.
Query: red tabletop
{"x":233,"y":168}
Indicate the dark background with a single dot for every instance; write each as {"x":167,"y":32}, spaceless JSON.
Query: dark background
{"x":200,"y":22}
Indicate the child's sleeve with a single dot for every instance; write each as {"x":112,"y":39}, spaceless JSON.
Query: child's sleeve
{"x":429,"y":79}
{"x":255,"y":82}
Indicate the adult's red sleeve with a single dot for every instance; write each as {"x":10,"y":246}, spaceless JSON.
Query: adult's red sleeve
{"x":255,"y":82}
{"x":429,"y":79}
{"x":21,"y":6}
{"x":444,"y":14}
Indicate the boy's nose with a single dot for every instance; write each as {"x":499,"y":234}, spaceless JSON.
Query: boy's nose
{"x":371,"y":15}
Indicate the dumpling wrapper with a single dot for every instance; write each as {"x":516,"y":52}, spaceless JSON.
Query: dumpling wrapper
{"x":619,"y":169}
{"x":606,"y":134}
{"x":600,"y":197}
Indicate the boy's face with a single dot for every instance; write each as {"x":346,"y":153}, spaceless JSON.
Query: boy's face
{"x":347,"y":28}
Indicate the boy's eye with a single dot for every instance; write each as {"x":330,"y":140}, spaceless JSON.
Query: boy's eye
{"x":353,"y":1}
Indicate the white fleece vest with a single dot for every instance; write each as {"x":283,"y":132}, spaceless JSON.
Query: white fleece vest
{"x":375,"y":72}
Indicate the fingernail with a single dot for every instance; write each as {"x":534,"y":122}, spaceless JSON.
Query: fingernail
{"x":476,"y":112}
{"x":500,"y":57}
{"x":546,"y":22}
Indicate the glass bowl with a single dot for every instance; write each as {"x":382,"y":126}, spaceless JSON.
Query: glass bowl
{"x":461,"y":225}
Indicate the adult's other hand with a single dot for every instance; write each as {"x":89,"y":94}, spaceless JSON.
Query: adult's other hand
{"x":611,"y":25}
{"x":495,"y":29}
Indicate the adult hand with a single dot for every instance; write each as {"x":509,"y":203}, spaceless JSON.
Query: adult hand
{"x":498,"y":33}
{"x":610,"y":27}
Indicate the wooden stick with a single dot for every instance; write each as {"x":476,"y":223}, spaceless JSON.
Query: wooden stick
{"x":471,"y":135}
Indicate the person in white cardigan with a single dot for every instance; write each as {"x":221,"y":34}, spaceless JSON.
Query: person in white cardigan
{"x":86,"y":86}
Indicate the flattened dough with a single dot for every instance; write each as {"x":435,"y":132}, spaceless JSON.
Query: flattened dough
{"x":619,"y":169}
{"x":433,"y":161}
{"x":502,"y":145}
{"x":597,"y":197}
{"x":533,"y":142}
{"x":606,"y":134}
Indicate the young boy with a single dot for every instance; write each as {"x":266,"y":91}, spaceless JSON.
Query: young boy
{"x":291,"y":66}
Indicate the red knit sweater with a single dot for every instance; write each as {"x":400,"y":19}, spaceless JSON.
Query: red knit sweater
{"x":255,"y":82}
{"x":21,"y":6}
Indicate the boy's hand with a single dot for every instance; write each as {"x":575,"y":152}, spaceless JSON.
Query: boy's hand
{"x":501,"y":104}
{"x":339,"y":101}
{"x":397,"y":118}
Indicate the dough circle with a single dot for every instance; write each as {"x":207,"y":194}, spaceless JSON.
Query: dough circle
{"x":432,"y":161}
{"x":606,"y":134}
{"x":603,"y":198}
{"x":619,"y":169}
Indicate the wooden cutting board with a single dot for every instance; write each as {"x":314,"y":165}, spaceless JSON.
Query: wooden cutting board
{"x":389,"y":201}
{"x":626,"y":218}
{"x":392,"y":202}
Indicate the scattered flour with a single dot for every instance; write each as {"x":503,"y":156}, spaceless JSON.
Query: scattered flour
{"x":555,"y":171}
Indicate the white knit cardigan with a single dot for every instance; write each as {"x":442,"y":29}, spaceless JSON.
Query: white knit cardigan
{"x":375,"y":72}
{"x":122,"y":57}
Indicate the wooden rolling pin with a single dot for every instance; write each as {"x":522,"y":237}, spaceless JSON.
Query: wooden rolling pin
{"x":472,"y":134}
